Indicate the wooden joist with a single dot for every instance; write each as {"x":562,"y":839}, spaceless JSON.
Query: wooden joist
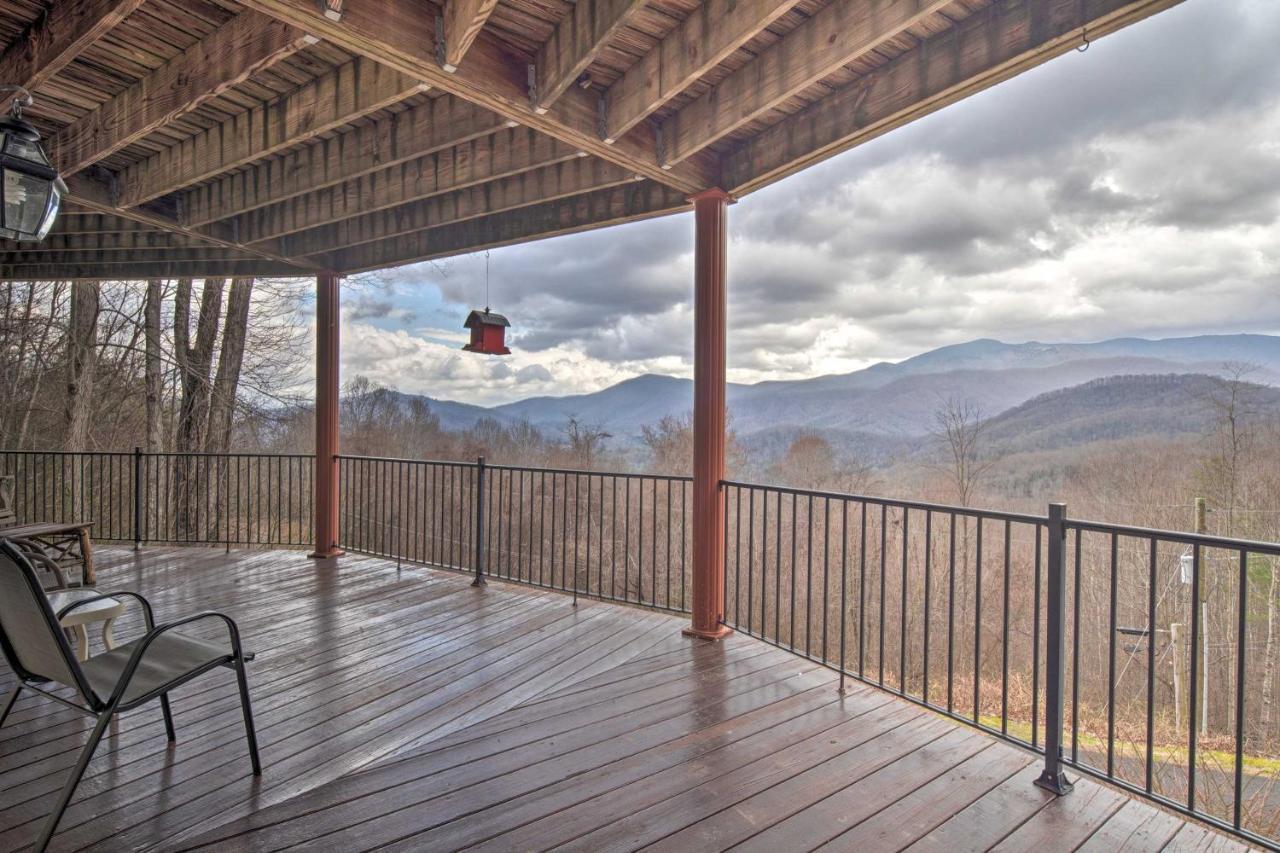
{"x":115,"y":241}
{"x":835,"y":36}
{"x":231,"y":54}
{"x":575,"y":43}
{"x":550,"y":183}
{"x":114,"y":258}
{"x":702,"y":41}
{"x":439,"y":124}
{"x":350,"y":91}
{"x":463,"y":21}
{"x":400,"y":33}
{"x":509,"y":152}
{"x":997,"y":43}
{"x":634,"y":201}
{"x":58,"y":37}
{"x":79,"y":269}
{"x":94,"y":194}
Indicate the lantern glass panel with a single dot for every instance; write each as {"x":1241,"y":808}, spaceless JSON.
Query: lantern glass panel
{"x":51,"y":209}
{"x":26,"y":202}
{"x":26,"y":149}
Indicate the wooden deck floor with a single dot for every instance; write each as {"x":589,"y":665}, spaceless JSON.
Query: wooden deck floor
{"x":404,"y":710}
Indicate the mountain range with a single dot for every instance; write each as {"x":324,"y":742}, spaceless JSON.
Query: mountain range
{"x":887,"y":407}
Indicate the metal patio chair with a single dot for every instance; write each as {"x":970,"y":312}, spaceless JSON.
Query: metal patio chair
{"x":123,"y":678}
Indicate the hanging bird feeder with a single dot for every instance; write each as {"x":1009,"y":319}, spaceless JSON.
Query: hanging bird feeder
{"x":488,"y":331}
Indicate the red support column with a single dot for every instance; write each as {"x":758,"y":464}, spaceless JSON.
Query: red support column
{"x":326,"y":476}
{"x":709,"y":211}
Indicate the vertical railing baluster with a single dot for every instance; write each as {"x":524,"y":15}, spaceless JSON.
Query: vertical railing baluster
{"x":1053,"y":778}
{"x":1242,"y":603}
{"x":137,"y":498}
{"x":480,"y":522}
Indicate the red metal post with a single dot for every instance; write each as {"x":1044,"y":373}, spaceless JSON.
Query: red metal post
{"x":326,"y":476}
{"x":710,"y":220}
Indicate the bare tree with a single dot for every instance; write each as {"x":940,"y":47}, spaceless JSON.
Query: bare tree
{"x":225,"y":385}
{"x":154,"y":377}
{"x":195,"y":361}
{"x":82,"y":351}
{"x":960,"y":429}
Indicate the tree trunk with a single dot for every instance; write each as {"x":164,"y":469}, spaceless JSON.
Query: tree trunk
{"x":194,"y":362}
{"x":82,"y":351}
{"x":151,"y":323}
{"x":223,"y":402}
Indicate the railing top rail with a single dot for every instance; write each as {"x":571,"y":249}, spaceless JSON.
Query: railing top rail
{"x":1203,"y":539}
{"x":457,"y":463}
{"x":676,"y":478}
{"x":174,"y":453}
{"x":946,"y":509}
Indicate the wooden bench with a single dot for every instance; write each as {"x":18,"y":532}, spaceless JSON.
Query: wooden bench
{"x":67,"y":543}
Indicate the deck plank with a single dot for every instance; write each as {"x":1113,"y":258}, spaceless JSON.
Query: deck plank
{"x":402,"y":709}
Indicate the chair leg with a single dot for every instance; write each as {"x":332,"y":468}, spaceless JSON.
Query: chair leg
{"x":249,"y":732}
{"x":69,"y":788}
{"x":8,"y":703}
{"x":168,"y":717}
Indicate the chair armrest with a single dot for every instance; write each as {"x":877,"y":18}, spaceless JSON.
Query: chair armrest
{"x":148,"y":614}
{"x":153,"y":634}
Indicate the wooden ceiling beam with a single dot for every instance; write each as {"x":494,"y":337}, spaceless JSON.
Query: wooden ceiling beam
{"x":507,"y":153}
{"x":550,"y":183}
{"x":64,"y":31}
{"x":437,"y":125}
{"x":233,"y":53}
{"x":702,"y":41}
{"x":993,"y":45}
{"x":463,"y":20}
{"x":834,"y":37}
{"x":598,"y":209}
{"x":349,"y":92}
{"x":400,"y":33}
{"x":117,"y":240}
{"x":75,"y":268}
{"x":574,"y":45}
{"x":111,"y":257}
{"x":97,"y":195}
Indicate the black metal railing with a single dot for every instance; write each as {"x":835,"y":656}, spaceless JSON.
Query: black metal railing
{"x":1088,"y":642}
{"x":616,"y":537}
{"x":1147,"y":658}
{"x":193,"y":498}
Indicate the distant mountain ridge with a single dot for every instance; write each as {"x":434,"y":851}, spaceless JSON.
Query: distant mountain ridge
{"x":886,"y":403}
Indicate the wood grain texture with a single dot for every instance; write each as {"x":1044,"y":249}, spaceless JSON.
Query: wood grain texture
{"x":401,"y":33}
{"x":999,"y":42}
{"x":575,"y":43}
{"x":401,"y":709}
{"x":250,"y":43}
{"x":634,"y":201}
{"x":60,"y":35}
{"x":503,"y":154}
{"x":463,"y":21}
{"x":701,"y":42}
{"x":548,"y":184}
{"x":353,"y":90}
{"x":440,"y":124}
{"x":840,"y":33}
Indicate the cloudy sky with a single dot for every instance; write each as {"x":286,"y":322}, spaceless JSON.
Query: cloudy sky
{"x":1133,"y":189}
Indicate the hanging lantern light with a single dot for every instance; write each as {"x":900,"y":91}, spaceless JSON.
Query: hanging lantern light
{"x":30,"y":188}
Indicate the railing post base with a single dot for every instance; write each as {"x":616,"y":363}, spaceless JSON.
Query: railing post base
{"x":1055,"y":783}
{"x":719,"y":633}
{"x":479,"y":582}
{"x":324,"y":555}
